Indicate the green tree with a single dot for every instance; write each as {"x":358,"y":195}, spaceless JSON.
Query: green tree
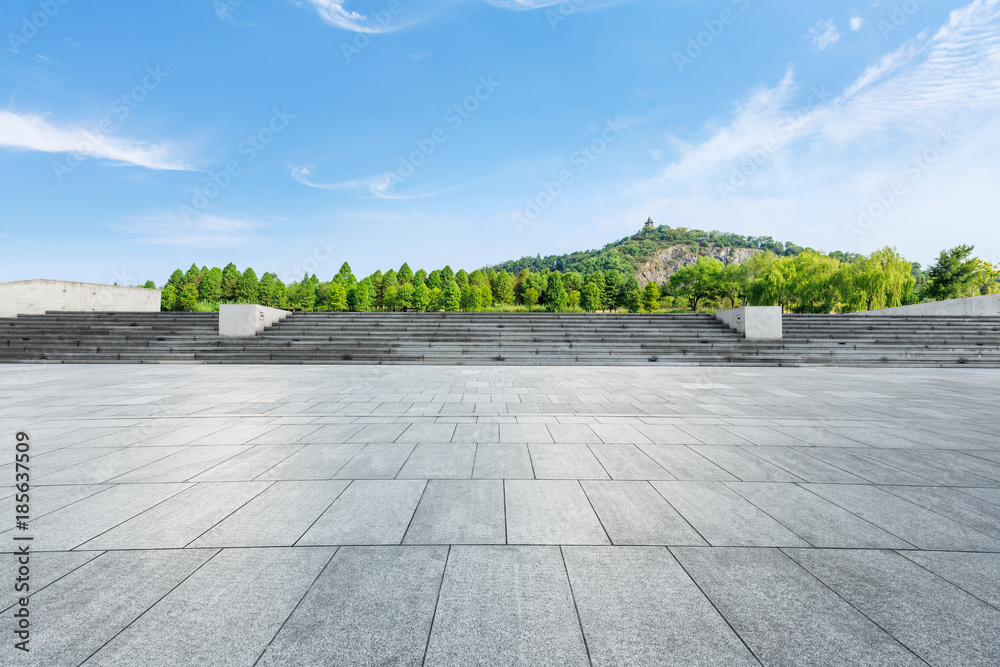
{"x":697,"y":282}
{"x":405,"y":274}
{"x":230,"y":277}
{"x":168,"y":297}
{"x":361,"y":297}
{"x":421,"y":297}
{"x":878,"y":281}
{"x":247,"y":287}
{"x":573,"y":299}
{"x":193,"y":276}
{"x":590,"y":298}
{"x":176,"y":279}
{"x":447,"y":275}
{"x":485,"y":296}
{"x":265,"y":291}
{"x":336,"y":297}
{"x":149,"y":284}
{"x":613,"y":290}
{"x":634,"y":304}
{"x":451,"y":297}
{"x":188,"y":300}
{"x":346,"y":275}
{"x":530,"y":297}
{"x":651,"y":297}
{"x":404,"y":297}
{"x":470,"y":298}
{"x":434,"y":279}
{"x":556,"y":298}
{"x":210,"y":288}
{"x":954,"y":274}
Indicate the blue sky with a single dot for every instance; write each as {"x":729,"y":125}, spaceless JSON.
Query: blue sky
{"x":295,"y":135}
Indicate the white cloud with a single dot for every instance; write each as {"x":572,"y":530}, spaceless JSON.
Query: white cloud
{"x":203,"y":230}
{"x":334,"y":13}
{"x":824,"y":34}
{"x":857,"y":22}
{"x":36,"y":133}
{"x":301,"y":174}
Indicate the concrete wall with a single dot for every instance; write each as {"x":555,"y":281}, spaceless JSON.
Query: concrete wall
{"x":33,"y":297}
{"x":239,"y":319}
{"x":973,"y":305}
{"x":754,"y":322}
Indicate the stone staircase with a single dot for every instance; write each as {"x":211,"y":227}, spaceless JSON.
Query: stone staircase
{"x":500,"y":339}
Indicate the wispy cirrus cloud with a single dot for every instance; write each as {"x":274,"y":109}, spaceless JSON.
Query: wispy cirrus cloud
{"x":301,"y":174}
{"x":924,"y":84}
{"x":336,"y":14}
{"x":824,"y":34}
{"x":204,"y":230}
{"x":34,"y":132}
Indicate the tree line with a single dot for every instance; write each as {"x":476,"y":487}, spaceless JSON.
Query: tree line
{"x":799,"y":282}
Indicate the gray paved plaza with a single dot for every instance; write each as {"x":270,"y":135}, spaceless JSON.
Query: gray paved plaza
{"x":325,"y":515}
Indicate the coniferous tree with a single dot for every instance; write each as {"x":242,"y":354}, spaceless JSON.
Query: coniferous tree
{"x":556,"y":298}
{"x":336,"y":297}
{"x":230,"y":277}
{"x":210,"y":288}
{"x":504,"y":293}
{"x":451,"y":297}
{"x":188,"y":299}
{"x":247,"y":287}
{"x":651,"y":297}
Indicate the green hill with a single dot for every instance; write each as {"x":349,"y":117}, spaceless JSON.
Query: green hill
{"x":654,"y":253}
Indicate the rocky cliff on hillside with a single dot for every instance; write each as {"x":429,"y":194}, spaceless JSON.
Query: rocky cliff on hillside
{"x":666,"y":261}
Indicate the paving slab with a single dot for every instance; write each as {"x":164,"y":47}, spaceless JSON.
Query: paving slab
{"x":551,"y":512}
{"x":783,"y":614}
{"x":723,"y":517}
{"x":896,"y":593}
{"x":371,"y":606}
{"x":226,"y":613}
{"x":376,"y":461}
{"x":438,"y":461}
{"x":977,"y":574}
{"x":180,"y":519}
{"x":459,"y":512}
{"x":505,"y":605}
{"x":637,"y":606}
{"x":633,"y":513}
{"x":368,"y":512}
{"x":502,"y":461}
{"x":918,"y":526}
{"x":312,"y":462}
{"x":278,"y":516}
{"x":565,"y":462}
{"x":92,"y":604}
{"x":816,"y":520}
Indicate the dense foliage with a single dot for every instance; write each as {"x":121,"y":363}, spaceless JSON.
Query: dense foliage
{"x":627,"y":255}
{"x":803,"y":281}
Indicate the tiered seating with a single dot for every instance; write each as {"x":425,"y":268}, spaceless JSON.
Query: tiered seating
{"x":500,"y":339}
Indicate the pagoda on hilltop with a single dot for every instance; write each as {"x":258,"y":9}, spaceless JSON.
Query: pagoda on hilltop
{"x":648,"y":224}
